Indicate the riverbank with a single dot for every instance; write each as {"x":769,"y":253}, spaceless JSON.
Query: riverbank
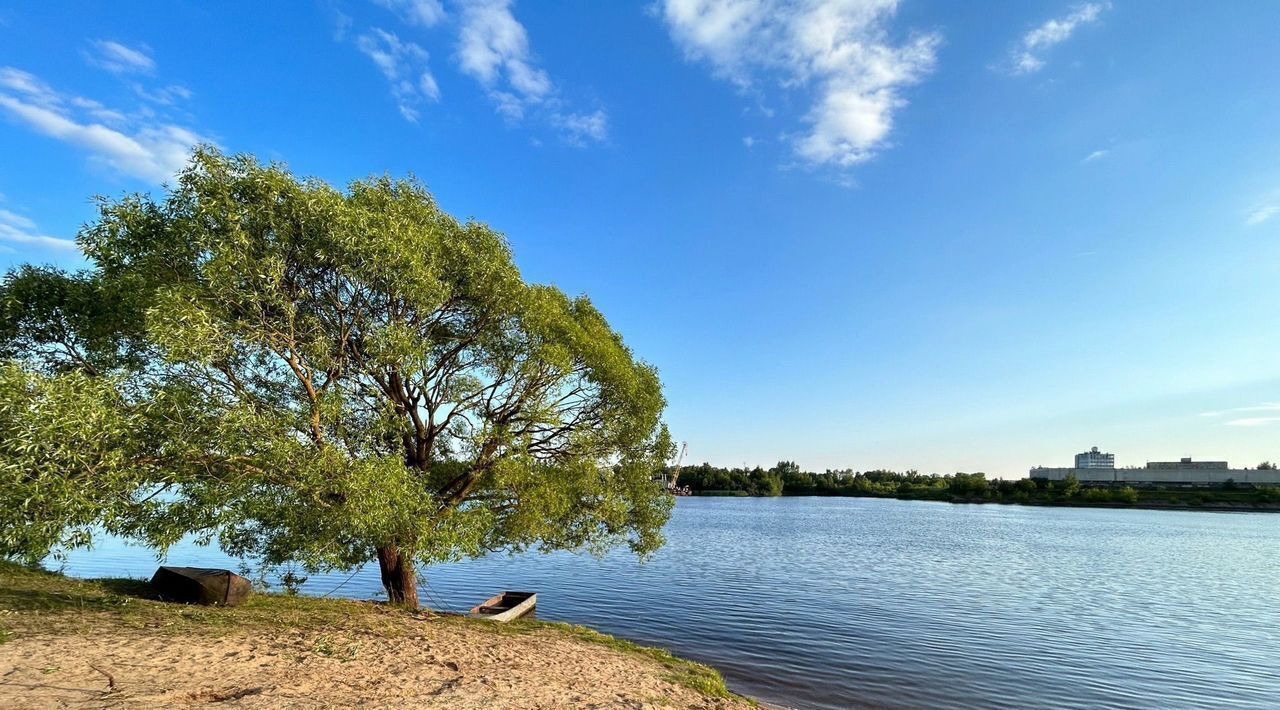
{"x":1191,"y":500}
{"x":786,"y":479}
{"x":1220,"y":506}
{"x":103,"y":643}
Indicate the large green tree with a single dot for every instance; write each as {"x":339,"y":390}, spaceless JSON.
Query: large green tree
{"x":317,"y":376}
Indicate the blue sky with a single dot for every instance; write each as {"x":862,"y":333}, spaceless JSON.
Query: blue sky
{"x":860,"y":233}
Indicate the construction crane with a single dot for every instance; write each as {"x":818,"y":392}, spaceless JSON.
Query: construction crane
{"x":675,"y":471}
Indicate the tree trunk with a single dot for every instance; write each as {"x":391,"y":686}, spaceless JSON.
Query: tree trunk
{"x":398,"y":577}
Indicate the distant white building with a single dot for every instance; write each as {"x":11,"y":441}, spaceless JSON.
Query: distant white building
{"x":1095,"y":459}
{"x":1095,"y":467}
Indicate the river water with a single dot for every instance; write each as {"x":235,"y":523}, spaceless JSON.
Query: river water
{"x":855,"y":602}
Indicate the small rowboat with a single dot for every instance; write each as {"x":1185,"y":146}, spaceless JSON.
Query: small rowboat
{"x":506,"y":606}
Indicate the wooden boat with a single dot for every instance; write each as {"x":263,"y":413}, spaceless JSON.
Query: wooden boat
{"x":506,"y":606}
{"x":197,"y":585}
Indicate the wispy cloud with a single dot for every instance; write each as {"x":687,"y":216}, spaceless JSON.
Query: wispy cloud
{"x":1027,"y":56}
{"x":838,"y":49}
{"x":140,"y":145}
{"x":128,"y":63}
{"x":16,"y":229}
{"x":119,"y":58}
{"x":1252,"y":421}
{"x":424,"y":13}
{"x":1263,"y":407}
{"x":1096,"y":155}
{"x":404,"y":65}
{"x":164,"y":96}
{"x":1262,"y":214}
{"x":582,"y":128}
{"x":493,"y":48}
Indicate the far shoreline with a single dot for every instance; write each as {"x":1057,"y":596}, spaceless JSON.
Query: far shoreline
{"x":1206,"y":507}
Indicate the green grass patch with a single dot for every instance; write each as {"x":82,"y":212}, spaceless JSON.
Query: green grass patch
{"x":36,"y":599}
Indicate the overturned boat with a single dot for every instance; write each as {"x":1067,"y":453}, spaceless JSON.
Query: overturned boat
{"x":198,"y":585}
{"x":505,"y":606}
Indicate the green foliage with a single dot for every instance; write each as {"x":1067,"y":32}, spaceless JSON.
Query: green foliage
{"x":786,"y":478}
{"x":1269,"y":494}
{"x":1125,"y":495}
{"x":1068,"y":486}
{"x":705,"y":479}
{"x":67,"y":446}
{"x":769,"y":483}
{"x":308,"y":375}
{"x":58,"y":322}
{"x":969,"y":485}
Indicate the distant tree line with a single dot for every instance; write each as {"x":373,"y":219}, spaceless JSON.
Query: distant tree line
{"x":786,"y":479}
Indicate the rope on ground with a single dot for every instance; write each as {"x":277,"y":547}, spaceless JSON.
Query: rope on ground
{"x":434,"y":599}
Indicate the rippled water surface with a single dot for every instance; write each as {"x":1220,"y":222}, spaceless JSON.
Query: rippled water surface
{"x":837,"y":603}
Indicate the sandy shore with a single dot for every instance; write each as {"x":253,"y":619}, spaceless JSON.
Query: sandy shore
{"x":367,"y":656}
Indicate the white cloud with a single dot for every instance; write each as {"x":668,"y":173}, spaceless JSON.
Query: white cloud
{"x":748,"y":141}
{"x":29,"y":85}
{"x":424,"y":13}
{"x":493,"y":48}
{"x":1262,"y":214}
{"x":582,"y":128}
{"x":404,"y":64}
{"x":1096,"y":155}
{"x":98,"y":111}
{"x":839,"y":49}
{"x":1027,"y":56}
{"x":16,"y":229}
{"x":146,"y":148}
{"x":16,"y":221}
{"x":120,"y":59}
{"x":1252,"y":421}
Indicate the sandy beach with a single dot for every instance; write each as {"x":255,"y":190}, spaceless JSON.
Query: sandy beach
{"x":69,"y":649}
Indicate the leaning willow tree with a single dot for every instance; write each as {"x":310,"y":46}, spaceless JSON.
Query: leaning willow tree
{"x":318,"y":377}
